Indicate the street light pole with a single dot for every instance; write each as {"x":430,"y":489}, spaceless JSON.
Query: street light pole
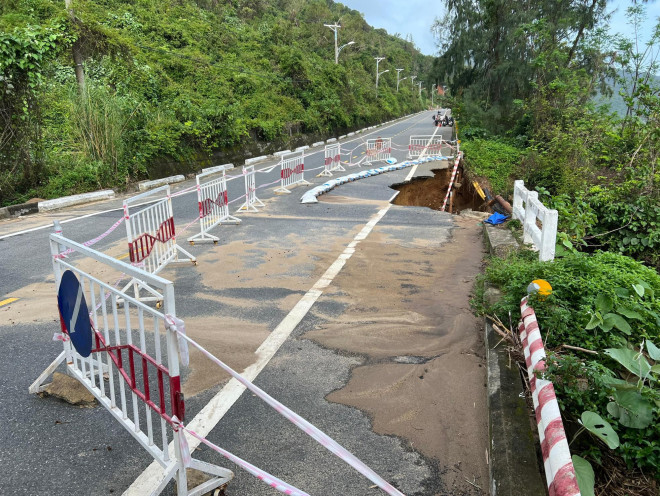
{"x":420,"y":87}
{"x":342,"y":47}
{"x":378,"y":59}
{"x":398,"y":71}
{"x":379,"y":75}
{"x":432,"y":92}
{"x":412,"y":80}
{"x":334,"y":27}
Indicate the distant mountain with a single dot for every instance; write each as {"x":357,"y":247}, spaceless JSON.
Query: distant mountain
{"x":616,"y":102}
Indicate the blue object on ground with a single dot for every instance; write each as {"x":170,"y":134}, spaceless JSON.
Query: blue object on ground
{"x":496,"y":219}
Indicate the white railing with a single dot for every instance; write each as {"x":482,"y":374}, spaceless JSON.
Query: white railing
{"x":379,"y":149}
{"x":213,"y":206}
{"x":531,"y":212}
{"x":133,"y":367}
{"x":292,"y":171}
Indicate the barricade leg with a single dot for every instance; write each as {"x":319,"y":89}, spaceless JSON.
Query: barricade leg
{"x":181,"y":260}
{"x":38,"y":385}
{"x":204,"y":237}
{"x":282,"y":190}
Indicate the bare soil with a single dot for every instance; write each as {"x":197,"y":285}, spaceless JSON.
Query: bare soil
{"x":431,"y":191}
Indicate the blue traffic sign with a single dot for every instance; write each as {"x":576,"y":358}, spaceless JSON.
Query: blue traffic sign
{"x":75,"y":314}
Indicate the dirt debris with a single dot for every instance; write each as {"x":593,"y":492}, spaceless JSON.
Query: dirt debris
{"x":69,"y":389}
{"x":439,"y":403}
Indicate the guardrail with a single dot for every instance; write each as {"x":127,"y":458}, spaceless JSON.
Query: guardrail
{"x":530,"y":211}
{"x":557,"y":461}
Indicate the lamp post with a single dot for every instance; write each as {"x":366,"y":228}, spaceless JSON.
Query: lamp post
{"x":340,"y":49}
{"x":432,"y":93}
{"x":398,"y":71}
{"x":420,"y":83}
{"x":335,"y":27}
{"x":412,"y":80}
{"x":379,"y":75}
{"x":378,"y":59}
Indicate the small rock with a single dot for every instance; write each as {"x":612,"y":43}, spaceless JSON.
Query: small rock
{"x":70,"y":390}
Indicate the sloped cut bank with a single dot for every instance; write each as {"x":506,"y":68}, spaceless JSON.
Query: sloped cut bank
{"x":430,"y":192}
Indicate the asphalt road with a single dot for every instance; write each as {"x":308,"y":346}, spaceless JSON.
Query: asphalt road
{"x":50,"y":447}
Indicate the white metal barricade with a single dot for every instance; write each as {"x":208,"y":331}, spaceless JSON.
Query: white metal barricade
{"x":544,"y":238}
{"x":292,"y":171}
{"x":133,"y":366}
{"x":152,"y":240}
{"x":251,"y":201}
{"x":378,"y":149}
{"x":213,"y":204}
{"x":332,"y":160}
{"x":430,"y":145}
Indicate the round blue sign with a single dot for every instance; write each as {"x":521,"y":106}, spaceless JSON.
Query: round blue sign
{"x":75,"y":314}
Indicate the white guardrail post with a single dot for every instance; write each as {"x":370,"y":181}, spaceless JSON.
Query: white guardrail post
{"x":132,"y":366}
{"x":530,"y":211}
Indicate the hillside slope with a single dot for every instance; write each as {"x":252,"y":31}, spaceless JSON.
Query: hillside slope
{"x":175,"y":81}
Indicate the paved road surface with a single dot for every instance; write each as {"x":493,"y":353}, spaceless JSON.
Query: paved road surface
{"x":396,"y":312}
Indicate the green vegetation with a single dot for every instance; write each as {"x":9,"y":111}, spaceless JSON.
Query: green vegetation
{"x":179,"y":81}
{"x":529,"y":90}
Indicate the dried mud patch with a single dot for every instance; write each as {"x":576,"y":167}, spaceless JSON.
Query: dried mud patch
{"x":231,"y":340}
{"x":414,"y":302}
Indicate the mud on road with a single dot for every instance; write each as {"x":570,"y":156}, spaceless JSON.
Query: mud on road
{"x":423,"y":376}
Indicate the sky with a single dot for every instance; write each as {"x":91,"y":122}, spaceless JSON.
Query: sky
{"x":416,"y":17}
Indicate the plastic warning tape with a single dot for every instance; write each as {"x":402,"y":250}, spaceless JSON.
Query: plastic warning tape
{"x":559,"y":470}
{"x":262,"y":475}
{"x":92,"y":241}
{"x":316,"y":434}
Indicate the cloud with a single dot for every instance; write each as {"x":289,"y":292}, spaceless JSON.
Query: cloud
{"x":405,"y":17}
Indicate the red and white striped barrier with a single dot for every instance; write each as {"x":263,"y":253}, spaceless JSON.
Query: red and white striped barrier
{"x":559,"y":471}
{"x":379,"y":149}
{"x":429,"y":145}
{"x":451,"y":181}
{"x":332,"y":160}
{"x":251,"y":201}
{"x":151,"y":238}
{"x":133,"y":368}
{"x":213,"y":205}
{"x":292,"y":171}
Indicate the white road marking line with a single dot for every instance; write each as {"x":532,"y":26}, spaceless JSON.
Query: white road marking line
{"x":65,"y":221}
{"x":421,"y":155}
{"x":220,"y":404}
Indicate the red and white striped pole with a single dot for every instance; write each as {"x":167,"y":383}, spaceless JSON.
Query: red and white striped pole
{"x":451,"y":181}
{"x":559,"y":470}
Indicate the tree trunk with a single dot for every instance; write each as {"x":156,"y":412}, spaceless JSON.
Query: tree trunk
{"x":77,"y":55}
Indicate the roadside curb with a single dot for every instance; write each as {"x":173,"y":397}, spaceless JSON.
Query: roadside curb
{"x":513,"y":462}
{"x":145,"y":185}
{"x":49,"y":205}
